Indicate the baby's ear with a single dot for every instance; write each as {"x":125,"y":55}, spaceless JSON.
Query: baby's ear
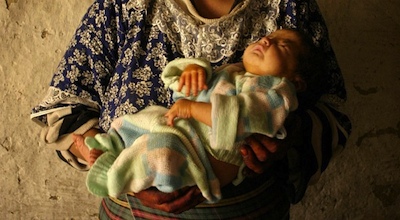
{"x":299,"y":83}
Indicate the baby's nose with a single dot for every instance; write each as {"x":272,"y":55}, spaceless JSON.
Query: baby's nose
{"x":266,"y":41}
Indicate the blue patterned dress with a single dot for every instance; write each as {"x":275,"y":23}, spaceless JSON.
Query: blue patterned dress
{"x":113,"y":65}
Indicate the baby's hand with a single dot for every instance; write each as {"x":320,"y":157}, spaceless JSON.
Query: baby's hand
{"x":180,"y":109}
{"x":194,"y":79}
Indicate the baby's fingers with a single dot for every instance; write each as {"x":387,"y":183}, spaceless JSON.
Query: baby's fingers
{"x":201,"y":79}
{"x":182,"y":81}
{"x":170,"y":118}
{"x":194,"y":83}
{"x":185,"y":80}
{"x":188,"y":81}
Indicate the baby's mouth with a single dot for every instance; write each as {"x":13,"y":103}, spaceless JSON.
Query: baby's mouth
{"x":259,"y":48}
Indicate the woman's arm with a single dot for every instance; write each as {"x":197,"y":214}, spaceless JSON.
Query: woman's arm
{"x":73,"y":101}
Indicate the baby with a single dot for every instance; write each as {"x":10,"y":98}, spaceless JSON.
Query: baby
{"x":279,"y":73}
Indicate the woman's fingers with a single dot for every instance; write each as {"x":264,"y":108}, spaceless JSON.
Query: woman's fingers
{"x":186,"y":201}
{"x":260,"y":151}
{"x":250,"y":160}
{"x":175,"y":202}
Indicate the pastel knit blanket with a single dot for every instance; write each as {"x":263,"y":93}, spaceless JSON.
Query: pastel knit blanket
{"x":141,"y":151}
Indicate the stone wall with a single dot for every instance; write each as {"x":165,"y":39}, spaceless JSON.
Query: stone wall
{"x":362,"y":183}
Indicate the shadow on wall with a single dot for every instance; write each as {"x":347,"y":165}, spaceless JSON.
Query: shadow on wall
{"x":9,"y":2}
{"x":387,"y":194}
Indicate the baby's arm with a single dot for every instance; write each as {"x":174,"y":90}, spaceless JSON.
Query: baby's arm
{"x":183,"y":108}
{"x":193,"y":77}
{"x":201,"y":111}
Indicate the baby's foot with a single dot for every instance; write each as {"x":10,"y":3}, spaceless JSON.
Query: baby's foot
{"x":90,"y":155}
{"x":93,"y":155}
{"x":79,"y":142}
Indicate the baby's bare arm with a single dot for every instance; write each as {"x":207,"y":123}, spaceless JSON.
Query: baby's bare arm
{"x":183,"y":108}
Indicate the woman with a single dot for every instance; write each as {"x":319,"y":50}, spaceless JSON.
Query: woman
{"x":113,"y":67}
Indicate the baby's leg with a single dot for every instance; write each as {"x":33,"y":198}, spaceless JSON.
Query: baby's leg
{"x":225,"y":172}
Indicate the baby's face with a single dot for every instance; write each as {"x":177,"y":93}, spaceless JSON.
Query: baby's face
{"x":275,"y":55}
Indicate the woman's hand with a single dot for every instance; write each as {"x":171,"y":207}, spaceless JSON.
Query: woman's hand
{"x":175,"y":202}
{"x":260,"y":151}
